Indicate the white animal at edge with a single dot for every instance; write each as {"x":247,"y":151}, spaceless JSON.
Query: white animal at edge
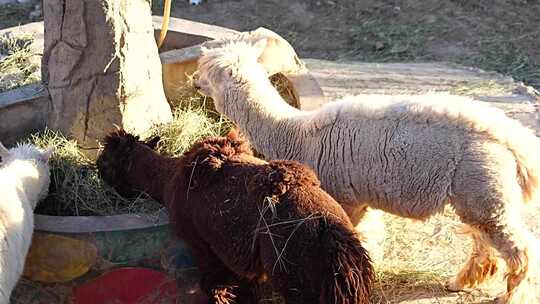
{"x":24,"y":180}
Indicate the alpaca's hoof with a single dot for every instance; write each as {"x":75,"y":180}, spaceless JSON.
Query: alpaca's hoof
{"x":222,"y":296}
{"x":502,"y":299}
{"x":453,"y":286}
{"x":519,"y":297}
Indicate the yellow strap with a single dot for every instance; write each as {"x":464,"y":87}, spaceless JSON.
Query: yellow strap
{"x":165,"y":25}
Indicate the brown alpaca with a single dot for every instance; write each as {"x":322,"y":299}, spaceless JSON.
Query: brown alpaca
{"x":247,"y":220}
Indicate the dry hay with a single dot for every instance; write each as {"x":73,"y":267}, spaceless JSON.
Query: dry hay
{"x":186,"y":93}
{"x":76,"y":188}
{"x":191,"y":123}
{"x":19,"y":65}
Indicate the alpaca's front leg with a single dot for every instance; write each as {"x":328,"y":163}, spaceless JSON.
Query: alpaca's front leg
{"x":224,"y":286}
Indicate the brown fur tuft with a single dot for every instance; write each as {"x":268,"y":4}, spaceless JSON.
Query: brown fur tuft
{"x":281,"y":176}
{"x":207,"y":157}
{"x":351,"y":268}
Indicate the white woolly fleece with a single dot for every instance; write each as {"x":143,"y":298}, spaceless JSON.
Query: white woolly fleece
{"x":407,"y":155}
{"x":24,"y":180}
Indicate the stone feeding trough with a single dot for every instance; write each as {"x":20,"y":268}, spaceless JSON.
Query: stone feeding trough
{"x":132,"y":239}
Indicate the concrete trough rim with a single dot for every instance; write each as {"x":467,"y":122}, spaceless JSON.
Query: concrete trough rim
{"x":22,"y":94}
{"x":90,"y":224}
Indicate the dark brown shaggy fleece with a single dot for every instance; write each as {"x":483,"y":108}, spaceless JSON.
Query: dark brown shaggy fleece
{"x":247,"y":220}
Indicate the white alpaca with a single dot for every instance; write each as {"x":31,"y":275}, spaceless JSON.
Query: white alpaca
{"x":24,"y":180}
{"x":407,"y":155}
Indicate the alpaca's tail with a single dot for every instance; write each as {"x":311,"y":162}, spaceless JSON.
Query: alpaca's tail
{"x":480,"y":118}
{"x":518,"y":139}
{"x":351,"y":274}
{"x":526,"y":149}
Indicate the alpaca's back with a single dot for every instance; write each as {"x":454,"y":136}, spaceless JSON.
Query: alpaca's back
{"x":273,"y":219}
{"x":400,"y":153}
{"x":315,"y":244}
{"x":387,"y":166}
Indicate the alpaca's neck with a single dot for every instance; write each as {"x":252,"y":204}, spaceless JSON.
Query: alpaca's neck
{"x":31,"y":177}
{"x":20,"y":187}
{"x":270,"y":123}
{"x":151,"y":172}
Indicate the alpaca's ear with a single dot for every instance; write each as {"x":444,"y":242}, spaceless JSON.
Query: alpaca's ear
{"x":233,"y":134}
{"x":228,"y":72}
{"x":203,"y":86}
{"x":205,"y":50}
{"x":46,"y":155}
{"x":260,"y":46}
{"x":152,"y":143}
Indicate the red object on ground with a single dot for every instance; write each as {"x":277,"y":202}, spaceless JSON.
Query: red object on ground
{"x":127,"y":286}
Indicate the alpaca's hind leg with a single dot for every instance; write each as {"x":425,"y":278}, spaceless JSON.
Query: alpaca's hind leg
{"x":518,"y":248}
{"x":291,"y":274}
{"x":487,"y":196}
{"x":293,"y":292}
{"x":481,"y":266}
{"x":288,"y":283}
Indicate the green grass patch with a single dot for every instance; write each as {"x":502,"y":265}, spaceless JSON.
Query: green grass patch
{"x":497,"y":53}
{"x":379,"y":41}
{"x":15,"y":14}
{"x":479,"y":88}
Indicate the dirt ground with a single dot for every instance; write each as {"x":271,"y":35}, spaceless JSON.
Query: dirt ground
{"x":499,"y":35}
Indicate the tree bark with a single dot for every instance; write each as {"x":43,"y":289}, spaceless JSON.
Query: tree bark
{"x":102,"y":68}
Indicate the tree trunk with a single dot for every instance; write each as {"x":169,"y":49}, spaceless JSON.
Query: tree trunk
{"x":102,"y":68}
